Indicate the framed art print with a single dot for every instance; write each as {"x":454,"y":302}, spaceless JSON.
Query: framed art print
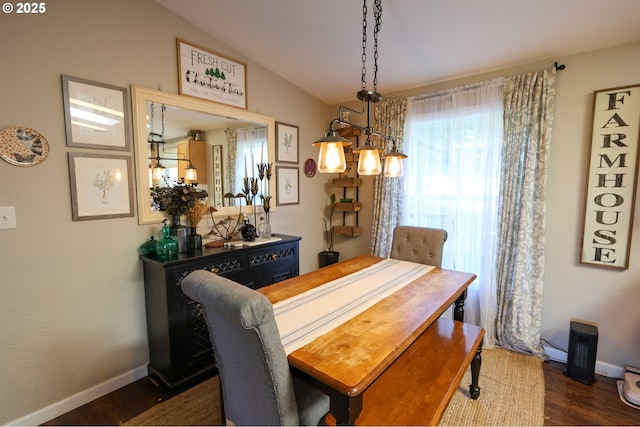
{"x":205,"y":74}
{"x":101,"y":186}
{"x":288,"y":188}
{"x":286,"y":143}
{"x":96,"y":114}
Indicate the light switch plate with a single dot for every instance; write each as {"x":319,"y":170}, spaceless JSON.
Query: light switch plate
{"x":7,"y":217}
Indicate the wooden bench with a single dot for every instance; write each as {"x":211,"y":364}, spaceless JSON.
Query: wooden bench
{"x":417,"y":388}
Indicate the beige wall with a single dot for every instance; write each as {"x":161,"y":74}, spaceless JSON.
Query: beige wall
{"x":73,"y":299}
{"x":607,"y":297}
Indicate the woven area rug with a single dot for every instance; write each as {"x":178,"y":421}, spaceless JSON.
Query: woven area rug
{"x":512,"y":393}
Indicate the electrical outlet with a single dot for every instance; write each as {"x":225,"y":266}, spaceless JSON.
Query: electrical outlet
{"x":7,"y":217}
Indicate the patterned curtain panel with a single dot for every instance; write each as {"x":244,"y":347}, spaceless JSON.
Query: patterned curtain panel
{"x":528,"y":116}
{"x":387,"y":191}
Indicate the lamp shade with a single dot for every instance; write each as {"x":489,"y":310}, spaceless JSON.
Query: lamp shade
{"x":331,"y":158}
{"x":393,"y":166}
{"x":157,"y":172}
{"x":191,"y":173}
{"x":369,"y":162}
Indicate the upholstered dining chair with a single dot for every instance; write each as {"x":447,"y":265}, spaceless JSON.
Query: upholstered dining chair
{"x":257,"y":386}
{"x":418,"y":244}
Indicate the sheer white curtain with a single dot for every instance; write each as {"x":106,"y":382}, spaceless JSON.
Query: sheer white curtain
{"x":251,"y":148}
{"x":452,"y":177}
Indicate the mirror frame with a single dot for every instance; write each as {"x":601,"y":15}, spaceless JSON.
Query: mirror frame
{"x":139,"y":98}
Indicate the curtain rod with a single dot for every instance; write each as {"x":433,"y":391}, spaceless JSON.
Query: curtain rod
{"x":468,"y":87}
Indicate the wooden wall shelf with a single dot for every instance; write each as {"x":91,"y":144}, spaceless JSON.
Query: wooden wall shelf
{"x":347,"y":182}
{"x":346,"y":230}
{"x":348,"y":132}
{"x":348,"y":207}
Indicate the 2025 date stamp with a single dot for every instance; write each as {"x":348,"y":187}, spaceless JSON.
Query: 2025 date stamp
{"x":25,"y":8}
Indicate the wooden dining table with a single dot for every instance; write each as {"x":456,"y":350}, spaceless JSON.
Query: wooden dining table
{"x":349,"y":359}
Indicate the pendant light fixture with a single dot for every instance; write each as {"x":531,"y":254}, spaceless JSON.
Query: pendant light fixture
{"x":156,"y":140}
{"x":331,"y":157}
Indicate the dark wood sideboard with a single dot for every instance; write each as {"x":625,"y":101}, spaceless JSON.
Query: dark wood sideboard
{"x":180,"y":352}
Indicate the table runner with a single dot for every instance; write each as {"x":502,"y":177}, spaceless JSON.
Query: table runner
{"x":306,"y":316}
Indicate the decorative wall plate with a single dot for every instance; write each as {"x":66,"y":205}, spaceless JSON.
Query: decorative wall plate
{"x":22,"y":146}
{"x":310,"y":168}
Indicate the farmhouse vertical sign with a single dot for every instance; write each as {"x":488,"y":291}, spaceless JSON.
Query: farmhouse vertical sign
{"x":612,"y":177}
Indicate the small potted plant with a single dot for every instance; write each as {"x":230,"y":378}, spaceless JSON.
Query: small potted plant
{"x":329,"y":256}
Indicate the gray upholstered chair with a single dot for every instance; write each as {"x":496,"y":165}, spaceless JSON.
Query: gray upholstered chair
{"x":257,"y":386}
{"x":418,"y":244}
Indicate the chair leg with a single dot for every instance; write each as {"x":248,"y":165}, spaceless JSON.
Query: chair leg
{"x":221,"y":399}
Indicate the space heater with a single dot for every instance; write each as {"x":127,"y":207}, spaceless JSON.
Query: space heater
{"x":581,"y":356}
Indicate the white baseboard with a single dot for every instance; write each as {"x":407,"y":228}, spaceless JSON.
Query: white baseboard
{"x":602,"y":368}
{"x":72,"y":402}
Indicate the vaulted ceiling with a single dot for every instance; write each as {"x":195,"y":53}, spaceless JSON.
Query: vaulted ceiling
{"x":317,"y":44}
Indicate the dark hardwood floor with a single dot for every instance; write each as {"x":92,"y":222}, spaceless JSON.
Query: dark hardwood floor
{"x":567,"y":402}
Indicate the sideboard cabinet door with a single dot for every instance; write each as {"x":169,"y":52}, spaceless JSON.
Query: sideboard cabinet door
{"x":180,"y":352}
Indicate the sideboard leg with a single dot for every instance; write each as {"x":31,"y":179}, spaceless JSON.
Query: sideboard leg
{"x":474,"y":390}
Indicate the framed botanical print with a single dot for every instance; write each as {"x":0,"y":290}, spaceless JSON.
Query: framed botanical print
{"x":288,"y":188}
{"x":286,"y":143}
{"x":101,"y":186}
{"x":96,"y":114}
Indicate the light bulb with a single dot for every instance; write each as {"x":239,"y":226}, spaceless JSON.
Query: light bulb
{"x":393,"y":167}
{"x":331,"y":158}
{"x":369,"y":163}
{"x":191,"y":174}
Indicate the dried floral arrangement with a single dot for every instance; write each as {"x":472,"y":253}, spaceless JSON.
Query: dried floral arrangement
{"x":176,"y":198}
{"x":197,"y":212}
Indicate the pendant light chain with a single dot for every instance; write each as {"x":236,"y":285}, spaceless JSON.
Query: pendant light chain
{"x":151,"y":117}
{"x":162,"y":118}
{"x":377,"y":13}
{"x":364,"y":45}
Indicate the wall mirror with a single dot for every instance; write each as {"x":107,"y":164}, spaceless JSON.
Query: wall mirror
{"x":224,"y":145}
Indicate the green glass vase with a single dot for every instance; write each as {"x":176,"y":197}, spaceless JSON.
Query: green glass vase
{"x":166,"y":247}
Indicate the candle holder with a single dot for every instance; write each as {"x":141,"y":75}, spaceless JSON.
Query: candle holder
{"x":254,"y":192}
{"x":246,"y":190}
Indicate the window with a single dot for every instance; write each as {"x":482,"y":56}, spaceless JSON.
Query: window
{"x":452,"y":177}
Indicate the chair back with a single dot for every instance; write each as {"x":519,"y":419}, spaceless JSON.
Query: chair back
{"x":254,"y":373}
{"x":418,"y":244}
